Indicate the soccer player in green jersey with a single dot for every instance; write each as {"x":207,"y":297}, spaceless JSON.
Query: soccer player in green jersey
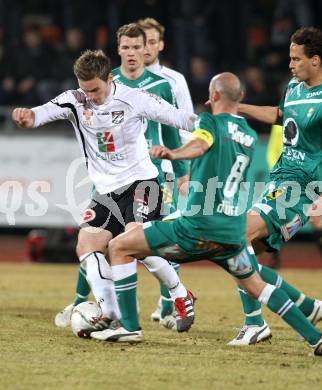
{"x":295,"y":179}
{"x":213,"y":225}
{"x":132,"y":73}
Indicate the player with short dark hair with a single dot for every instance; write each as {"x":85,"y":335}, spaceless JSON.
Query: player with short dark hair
{"x":295,"y":179}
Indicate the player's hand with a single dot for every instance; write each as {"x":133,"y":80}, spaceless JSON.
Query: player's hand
{"x":23,"y":117}
{"x":161,"y":152}
{"x":183,"y":185}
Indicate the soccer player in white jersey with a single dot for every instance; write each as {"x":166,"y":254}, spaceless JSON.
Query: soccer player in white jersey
{"x":108,"y":122}
{"x":154,"y":45}
{"x":133,"y":73}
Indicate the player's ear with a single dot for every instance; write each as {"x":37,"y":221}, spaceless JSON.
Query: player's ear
{"x":161,"y":45}
{"x":109,"y":78}
{"x":316,"y":60}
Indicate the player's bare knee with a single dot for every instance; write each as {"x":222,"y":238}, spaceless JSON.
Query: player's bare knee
{"x":115,"y":246}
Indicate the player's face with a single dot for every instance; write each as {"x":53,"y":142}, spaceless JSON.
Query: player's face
{"x":153,"y":46}
{"x":301,"y":66}
{"x":131,"y":51}
{"x":97,"y":89}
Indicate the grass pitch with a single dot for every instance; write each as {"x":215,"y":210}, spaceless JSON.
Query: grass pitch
{"x":34,"y":354}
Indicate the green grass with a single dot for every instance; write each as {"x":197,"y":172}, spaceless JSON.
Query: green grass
{"x":34,"y":354}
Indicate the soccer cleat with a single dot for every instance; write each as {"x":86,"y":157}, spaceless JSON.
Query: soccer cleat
{"x":185,"y":315}
{"x":117,"y":333}
{"x":251,"y":334}
{"x":317,"y":348}
{"x":316,"y":314}
{"x":62,"y":319}
{"x":101,"y":323}
{"x":156,"y":315}
{"x":169,"y":321}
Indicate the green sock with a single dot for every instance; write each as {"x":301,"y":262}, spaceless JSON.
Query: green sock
{"x":126,"y":297}
{"x":251,"y":307}
{"x":278,"y":301}
{"x":304,"y":303}
{"x":166,"y":301}
{"x":82,"y":288}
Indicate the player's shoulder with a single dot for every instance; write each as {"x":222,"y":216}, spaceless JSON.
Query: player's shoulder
{"x":72,"y":96}
{"x":133,"y":97}
{"x":153,"y":80}
{"x":172,"y":74}
{"x":205,"y":121}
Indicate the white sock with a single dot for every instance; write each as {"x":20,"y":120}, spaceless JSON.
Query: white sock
{"x":166,"y":274}
{"x":123,"y":271}
{"x":99,"y":277}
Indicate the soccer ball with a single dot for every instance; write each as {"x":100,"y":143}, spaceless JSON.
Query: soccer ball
{"x":82,"y":318}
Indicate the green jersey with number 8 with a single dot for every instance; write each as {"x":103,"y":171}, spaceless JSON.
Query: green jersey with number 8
{"x":217,"y":202}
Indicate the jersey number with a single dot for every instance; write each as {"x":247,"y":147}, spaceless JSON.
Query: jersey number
{"x":236,"y":175}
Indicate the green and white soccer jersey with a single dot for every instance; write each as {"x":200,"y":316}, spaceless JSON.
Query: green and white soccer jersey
{"x":156,"y":133}
{"x":214,"y":222}
{"x":294,"y":177}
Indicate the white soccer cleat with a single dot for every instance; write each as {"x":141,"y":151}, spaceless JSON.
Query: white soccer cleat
{"x":251,"y":334}
{"x":316,"y":314}
{"x":118,"y":334}
{"x":169,"y":321}
{"x":156,"y":315}
{"x":62,"y":319}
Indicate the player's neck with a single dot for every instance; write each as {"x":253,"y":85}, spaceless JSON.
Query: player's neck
{"x":132,"y":75}
{"x":224,"y":107}
{"x":314,"y":80}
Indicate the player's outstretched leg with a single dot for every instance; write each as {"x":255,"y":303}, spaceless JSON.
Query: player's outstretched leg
{"x":62,"y":319}
{"x":255,"y":328}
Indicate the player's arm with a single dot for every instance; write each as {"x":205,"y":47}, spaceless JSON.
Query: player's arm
{"x":157,"y":109}
{"x":266,"y":114}
{"x":199,"y":145}
{"x":58,"y":108}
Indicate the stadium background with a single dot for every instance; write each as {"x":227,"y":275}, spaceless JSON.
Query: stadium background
{"x":39,"y":40}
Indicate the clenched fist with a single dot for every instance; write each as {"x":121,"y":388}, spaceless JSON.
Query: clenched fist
{"x":23,"y":117}
{"x":161,"y":152}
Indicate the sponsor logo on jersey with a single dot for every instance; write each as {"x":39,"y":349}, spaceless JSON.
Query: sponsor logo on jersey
{"x":238,"y":136}
{"x":88,"y":215}
{"x":276,"y":193}
{"x":105,"y":141}
{"x":310,"y":112}
{"x":103,"y":113}
{"x":312,"y":94}
{"x":294,"y":155}
{"x":117,"y":117}
{"x":144,"y":82}
{"x":87,"y":117}
{"x":290,"y":132}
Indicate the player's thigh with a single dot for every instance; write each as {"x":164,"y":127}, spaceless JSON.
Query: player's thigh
{"x":256,"y":227}
{"x":131,"y":243}
{"x":91,"y":239}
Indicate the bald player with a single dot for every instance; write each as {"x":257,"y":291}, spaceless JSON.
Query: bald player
{"x":213,"y":229}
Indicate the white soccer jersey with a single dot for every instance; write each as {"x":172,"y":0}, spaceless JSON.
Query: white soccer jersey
{"x":180,"y":89}
{"x":111,"y":135}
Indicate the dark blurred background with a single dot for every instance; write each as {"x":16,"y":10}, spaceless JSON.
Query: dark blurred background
{"x":40,"y":39}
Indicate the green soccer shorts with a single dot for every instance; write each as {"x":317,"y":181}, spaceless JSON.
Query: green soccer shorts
{"x":168,"y":240}
{"x":283,"y":208}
